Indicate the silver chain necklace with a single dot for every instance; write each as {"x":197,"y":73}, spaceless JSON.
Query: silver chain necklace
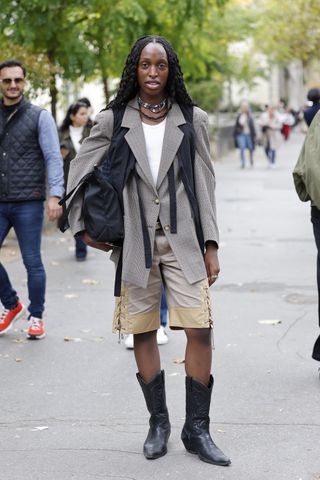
{"x":153,"y":108}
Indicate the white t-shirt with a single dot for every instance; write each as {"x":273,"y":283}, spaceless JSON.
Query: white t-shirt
{"x":153,"y":135}
{"x":76,"y":136}
{"x":244,"y":121}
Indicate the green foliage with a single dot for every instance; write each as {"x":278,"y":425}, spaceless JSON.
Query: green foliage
{"x":48,"y":27}
{"x":86,"y":39}
{"x":288,"y":30}
{"x":206,"y":94}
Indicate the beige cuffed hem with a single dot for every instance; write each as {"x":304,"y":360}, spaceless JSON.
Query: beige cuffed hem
{"x":189,"y":318}
{"x":142,"y":323}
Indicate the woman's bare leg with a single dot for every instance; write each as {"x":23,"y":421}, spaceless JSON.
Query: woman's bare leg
{"x":198,"y":355}
{"x":147,"y":356}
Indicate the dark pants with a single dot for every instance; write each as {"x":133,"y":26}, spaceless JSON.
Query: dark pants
{"x":26,"y":218}
{"x":271,"y":154}
{"x":81,"y":248}
{"x":315,"y":218}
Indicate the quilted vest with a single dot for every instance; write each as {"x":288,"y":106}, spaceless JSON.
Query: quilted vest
{"x":22,"y":166}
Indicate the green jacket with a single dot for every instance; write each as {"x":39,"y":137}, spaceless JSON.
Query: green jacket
{"x":306,"y":174}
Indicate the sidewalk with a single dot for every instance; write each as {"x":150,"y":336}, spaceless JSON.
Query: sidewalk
{"x":71,"y":407}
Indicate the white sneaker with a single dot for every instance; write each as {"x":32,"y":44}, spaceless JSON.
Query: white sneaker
{"x":129,"y":341}
{"x":162,"y":337}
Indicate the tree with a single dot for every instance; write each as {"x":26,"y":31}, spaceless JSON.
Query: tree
{"x":49,"y":30}
{"x":89,"y":38}
{"x":287,"y":30}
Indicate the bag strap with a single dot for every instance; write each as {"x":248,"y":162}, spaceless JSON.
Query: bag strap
{"x":145,"y":233}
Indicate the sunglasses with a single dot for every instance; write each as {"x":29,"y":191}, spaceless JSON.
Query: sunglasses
{"x":8,"y":81}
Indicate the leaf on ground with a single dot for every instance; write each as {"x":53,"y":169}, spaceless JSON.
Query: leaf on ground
{"x":18,"y":340}
{"x":89,"y":281}
{"x":269,"y":322}
{"x":179,"y":360}
{"x":72,"y":339}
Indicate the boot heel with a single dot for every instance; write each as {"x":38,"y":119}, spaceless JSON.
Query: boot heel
{"x":187,"y":444}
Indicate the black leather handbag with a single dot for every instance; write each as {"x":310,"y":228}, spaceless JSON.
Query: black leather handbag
{"x":101,"y":208}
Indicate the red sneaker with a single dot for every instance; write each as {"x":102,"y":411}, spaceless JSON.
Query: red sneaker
{"x":8,"y":317}
{"x":35,"y":328}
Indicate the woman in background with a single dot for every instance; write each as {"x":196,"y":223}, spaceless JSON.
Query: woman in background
{"x":270,"y":127}
{"x":245,"y":133}
{"x":74,"y":129}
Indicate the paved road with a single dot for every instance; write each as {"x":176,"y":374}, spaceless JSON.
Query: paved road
{"x":73,"y":409}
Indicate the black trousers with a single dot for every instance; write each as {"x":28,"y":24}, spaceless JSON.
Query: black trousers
{"x":315,"y":219}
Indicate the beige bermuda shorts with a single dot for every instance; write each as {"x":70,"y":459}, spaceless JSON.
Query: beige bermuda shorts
{"x":137,"y":310}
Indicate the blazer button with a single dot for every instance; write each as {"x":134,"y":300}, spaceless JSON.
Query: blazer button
{"x":166,"y":227}
{"x":156,"y":201}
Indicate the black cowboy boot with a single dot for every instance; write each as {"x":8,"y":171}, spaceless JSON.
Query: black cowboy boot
{"x":154,"y":393}
{"x":195,"y":434}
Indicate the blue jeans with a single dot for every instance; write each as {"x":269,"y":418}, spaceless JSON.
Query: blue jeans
{"x":271,"y":154}
{"x":26,"y":218}
{"x":245,"y":141}
{"x":163,"y":309}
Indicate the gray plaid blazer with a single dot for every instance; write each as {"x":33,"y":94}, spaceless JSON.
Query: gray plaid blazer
{"x":155,"y":198}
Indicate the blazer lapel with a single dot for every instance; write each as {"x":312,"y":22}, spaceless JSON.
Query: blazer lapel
{"x":136,"y":141}
{"x":171,"y":142}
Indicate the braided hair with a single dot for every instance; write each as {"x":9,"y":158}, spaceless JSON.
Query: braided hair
{"x":128,"y":87}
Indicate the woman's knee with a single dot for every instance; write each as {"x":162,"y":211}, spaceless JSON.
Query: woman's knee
{"x":199,"y":335}
{"x":146,"y":337}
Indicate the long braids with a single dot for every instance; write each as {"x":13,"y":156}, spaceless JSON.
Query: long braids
{"x":128,"y":87}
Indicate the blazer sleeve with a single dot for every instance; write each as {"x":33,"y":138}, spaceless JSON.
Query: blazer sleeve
{"x":91,"y":152}
{"x":205,"y":181}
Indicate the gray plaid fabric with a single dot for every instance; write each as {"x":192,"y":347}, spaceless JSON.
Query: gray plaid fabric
{"x":155,"y":198}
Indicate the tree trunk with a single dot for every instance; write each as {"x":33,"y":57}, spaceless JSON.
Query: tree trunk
{"x":54,"y":96}
{"x":106,"y":88}
{"x":230,"y":102}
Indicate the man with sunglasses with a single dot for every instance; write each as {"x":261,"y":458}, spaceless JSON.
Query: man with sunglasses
{"x":29,"y":149}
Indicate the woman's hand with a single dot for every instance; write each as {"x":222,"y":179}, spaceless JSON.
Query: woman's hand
{"x":212,"y":262}
{"x":99,"y":245}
